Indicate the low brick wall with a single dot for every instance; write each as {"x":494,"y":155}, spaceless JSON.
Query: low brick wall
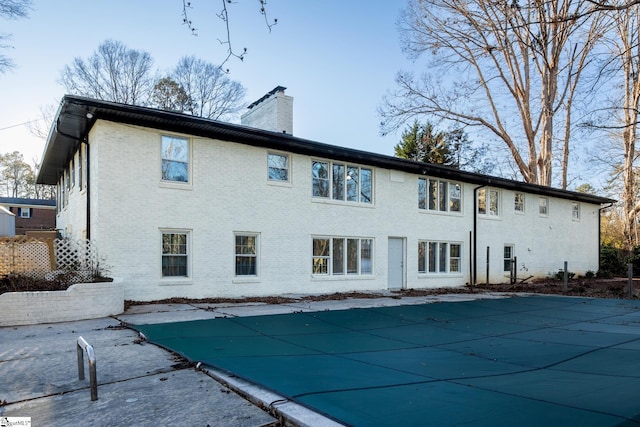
{"x":81,"y":301}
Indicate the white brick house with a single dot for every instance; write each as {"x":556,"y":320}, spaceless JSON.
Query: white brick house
{"x":188,"y":207}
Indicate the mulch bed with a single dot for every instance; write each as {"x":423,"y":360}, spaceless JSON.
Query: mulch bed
{"x":594,"y":288}
{"x":61,"y":282}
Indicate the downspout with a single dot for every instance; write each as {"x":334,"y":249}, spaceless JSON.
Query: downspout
{"x":88,"y":189}
{"x":474,"y":260}
{"x":600,"y":231}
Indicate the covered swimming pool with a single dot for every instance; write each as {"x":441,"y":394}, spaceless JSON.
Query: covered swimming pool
{"x":515,"y":361}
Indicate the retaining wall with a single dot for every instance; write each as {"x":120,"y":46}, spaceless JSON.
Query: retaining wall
{"x":81,"y":301}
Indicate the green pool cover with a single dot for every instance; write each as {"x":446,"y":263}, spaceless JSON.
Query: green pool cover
{"x":524,"y":361}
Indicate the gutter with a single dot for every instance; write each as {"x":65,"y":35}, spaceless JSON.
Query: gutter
{"x":600,"y":231}
{"x":474,"y":259}
{"x":87,"y":158}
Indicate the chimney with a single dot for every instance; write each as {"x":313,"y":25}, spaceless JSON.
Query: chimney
{"x":273,"y":112}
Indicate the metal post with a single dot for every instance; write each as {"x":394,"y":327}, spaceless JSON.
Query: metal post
{"x":82,"y":346}
{"x":487,"y":282}
{"x":630,"y":283}
{"x":514,"y":270}
{"x":566,"y":276}
{"x":471,"y":263}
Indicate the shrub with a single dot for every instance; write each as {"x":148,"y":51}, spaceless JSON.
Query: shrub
{"x":612,"y":261}
{"x":634,"y":258}
{"x":560,"y":275}
{"x":604,"y":274}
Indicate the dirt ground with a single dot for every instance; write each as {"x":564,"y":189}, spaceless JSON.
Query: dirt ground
{"x":594,"y":288}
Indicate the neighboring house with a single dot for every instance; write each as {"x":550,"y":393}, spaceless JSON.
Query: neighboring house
{"x":31,"y":214}
{"x":181,"y":206}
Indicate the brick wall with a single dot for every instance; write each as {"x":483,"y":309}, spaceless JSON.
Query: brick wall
{"x":81,"y":301}
{"x":41,"y":219}
{"x":229,"y":193}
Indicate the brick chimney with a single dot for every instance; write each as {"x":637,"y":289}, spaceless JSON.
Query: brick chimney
{"x":273,"y":112}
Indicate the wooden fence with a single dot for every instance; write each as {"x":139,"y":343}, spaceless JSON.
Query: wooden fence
{"x":45,"y":258}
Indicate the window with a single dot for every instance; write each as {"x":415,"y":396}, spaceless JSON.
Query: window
{"x":518,"y":202}
{"x":439,"y":257}
{"x":66,"y":187}
{"x":320,"y":176}
{"x":488,"y":202}
{"x":175,"y":254}
{"x":24,"y":212}
{"x":80,"y":166}
{"x":278,"y":167}
{"x":321,"y":256}
{"x":175,"y":159}
{"x":437,"y":195}
{"x":72,"y":170}
{"x":341,"y":182}
{"x":246,"y":255}
{"x":575,"y":211}
{"x":544,"y":206}
{"x":84,"y":166}
{"x":508,"y":256}
{"x":338,"y":256}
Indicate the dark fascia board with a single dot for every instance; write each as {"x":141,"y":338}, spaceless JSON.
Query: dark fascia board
{"x":21,"y":201}
{"x":77,"y":115}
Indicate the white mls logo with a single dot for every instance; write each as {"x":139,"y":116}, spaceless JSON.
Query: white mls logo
{"x":15,"y":421}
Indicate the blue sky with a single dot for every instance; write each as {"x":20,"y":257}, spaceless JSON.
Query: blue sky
{"x":336,"y":58}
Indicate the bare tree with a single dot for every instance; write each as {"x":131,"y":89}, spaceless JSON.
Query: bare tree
{"x":224,"y":16}
{"x":113,"y":73}
{"x":212,"y":94}
{"x":41,"y":125}
{"x":11,"y":9}
{"x":623,"y":70}
{"x":39,"y":191}
{"x":514,"y":72}
{"x":627,"y":22}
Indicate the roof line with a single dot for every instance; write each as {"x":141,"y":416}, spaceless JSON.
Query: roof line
{"x":77,"y":115}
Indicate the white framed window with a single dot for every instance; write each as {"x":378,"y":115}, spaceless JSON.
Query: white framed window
{"x":175,"y":159}
{"x":342,"y":256}
{"x":439,"y":195}
{"x":342,"y":182}
{"x":72,"y":170}
{"x":58,"y":198}
{"x":24,"y":212}
{"x":543,"y":206}
{"x":439,"y":257}
{"x":80,"y":165}
{"x":83,"y":167}
{"x":507,"y":257}
{"x":278,"y":167}
{"x":518,"y":202}
{"x":488,"y":202}
{"x":66,"y":187}
{"x":175,"y":253}
{"x":575,"y":211}
{"x":246,"y":254}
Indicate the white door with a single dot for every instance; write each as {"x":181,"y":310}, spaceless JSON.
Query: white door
{"x":396,"y":263}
